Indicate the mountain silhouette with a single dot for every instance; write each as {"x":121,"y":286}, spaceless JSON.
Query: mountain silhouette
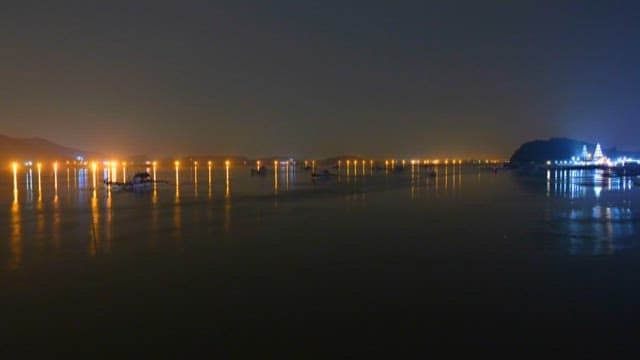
{"x":37,"y":149}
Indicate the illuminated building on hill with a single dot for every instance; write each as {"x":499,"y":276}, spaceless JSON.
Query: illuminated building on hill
{"x":584,"y":156}
{"x":597,"y":154}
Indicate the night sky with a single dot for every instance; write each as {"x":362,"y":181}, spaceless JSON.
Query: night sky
{"x":320,"y":78}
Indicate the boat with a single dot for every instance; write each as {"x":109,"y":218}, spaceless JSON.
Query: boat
{"x":140,"y":182}
{"x":324,"y":174}
{"x":261,"y":171}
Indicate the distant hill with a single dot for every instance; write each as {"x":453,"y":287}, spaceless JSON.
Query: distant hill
{"x":540,"y":151}
{"x":37,"y":149}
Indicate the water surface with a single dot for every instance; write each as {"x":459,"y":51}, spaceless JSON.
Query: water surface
{"x":360,"y":262}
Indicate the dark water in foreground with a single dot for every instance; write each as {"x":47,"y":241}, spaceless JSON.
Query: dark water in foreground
{"x":354,"y":264}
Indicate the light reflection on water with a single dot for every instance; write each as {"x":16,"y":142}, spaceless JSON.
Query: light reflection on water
{"x":596,"y":231}
{"x":576,"y":184}
{"x":95,"y":225}
{"x":15,"y":240}
{"x":598,"y":218}
{"x":590,"y":212}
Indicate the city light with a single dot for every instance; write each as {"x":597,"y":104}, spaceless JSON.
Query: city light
{"x":154,"y":164}
{"x":595,"y":159}
{"x":55,"y":177}
{"x":177,"y":164}
{"x":14,"y":166}
{"x":94,"y":166}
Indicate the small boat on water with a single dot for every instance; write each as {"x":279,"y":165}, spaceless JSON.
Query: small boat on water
{"x":139,"y":182}
{"x":324,"y":174}
{"x":261,"y":171}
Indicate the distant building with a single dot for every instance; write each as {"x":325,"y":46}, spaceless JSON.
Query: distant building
{"x":584,"y":156}
{"x":597,"y":154}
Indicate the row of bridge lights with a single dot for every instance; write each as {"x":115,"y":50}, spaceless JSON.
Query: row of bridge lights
{"x":109,"y":165}
{"x":404,"y":162}
{"x":413,"y":162}
{"x":115,"y":164}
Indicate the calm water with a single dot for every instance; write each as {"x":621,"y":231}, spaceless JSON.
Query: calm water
{"x":357,"y":263}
